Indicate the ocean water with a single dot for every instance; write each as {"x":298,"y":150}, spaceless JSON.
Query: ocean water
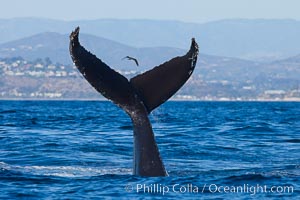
{"x":211,"y":150}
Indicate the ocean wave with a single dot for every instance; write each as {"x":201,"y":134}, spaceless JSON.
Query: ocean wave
{"x":61,"y":171}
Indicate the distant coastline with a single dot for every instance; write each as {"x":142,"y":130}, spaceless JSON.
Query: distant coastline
{"x":32,"y":68}
{"x":174,"y":99}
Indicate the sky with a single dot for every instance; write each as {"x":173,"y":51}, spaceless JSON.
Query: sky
{"x":183,"y":10}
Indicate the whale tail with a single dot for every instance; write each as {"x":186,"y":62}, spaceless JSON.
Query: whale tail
{"x":137,"y":97}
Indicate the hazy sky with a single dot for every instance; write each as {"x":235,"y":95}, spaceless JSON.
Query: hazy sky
{"x":184,"y":10}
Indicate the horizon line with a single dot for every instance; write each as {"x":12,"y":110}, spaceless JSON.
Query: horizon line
{"x":149,"y":19}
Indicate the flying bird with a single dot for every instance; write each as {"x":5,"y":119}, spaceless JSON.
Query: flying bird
{"x":131,"y":58}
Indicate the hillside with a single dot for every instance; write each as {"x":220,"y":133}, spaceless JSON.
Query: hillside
{"x":40,"y":67}
{"x":249,"y":39}
{"x":56,"y":47}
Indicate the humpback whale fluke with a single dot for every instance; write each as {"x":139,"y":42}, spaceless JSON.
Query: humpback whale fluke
{"x":132,"y":58}
{"x":137,"y":97}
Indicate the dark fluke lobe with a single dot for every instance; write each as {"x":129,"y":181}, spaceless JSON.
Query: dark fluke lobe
{"x":157,"y":85}
{"x":137,"y":97}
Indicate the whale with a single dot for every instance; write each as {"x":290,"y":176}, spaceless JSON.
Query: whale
{"x":138,"y":97}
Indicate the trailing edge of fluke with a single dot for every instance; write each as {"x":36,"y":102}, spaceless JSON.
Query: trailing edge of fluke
{"x":137,"y":96}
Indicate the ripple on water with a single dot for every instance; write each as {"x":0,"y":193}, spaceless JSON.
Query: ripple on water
{"x":84,"y":150}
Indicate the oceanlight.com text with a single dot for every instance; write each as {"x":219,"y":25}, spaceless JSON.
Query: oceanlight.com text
{"x":157,"y":188}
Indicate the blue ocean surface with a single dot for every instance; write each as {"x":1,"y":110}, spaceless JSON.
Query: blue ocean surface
{"x":211,"y":150}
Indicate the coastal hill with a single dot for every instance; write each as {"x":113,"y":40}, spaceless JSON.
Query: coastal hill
{"x":239,"y":59}
{"x":39,"y":67}
{"x":258,"y":39}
